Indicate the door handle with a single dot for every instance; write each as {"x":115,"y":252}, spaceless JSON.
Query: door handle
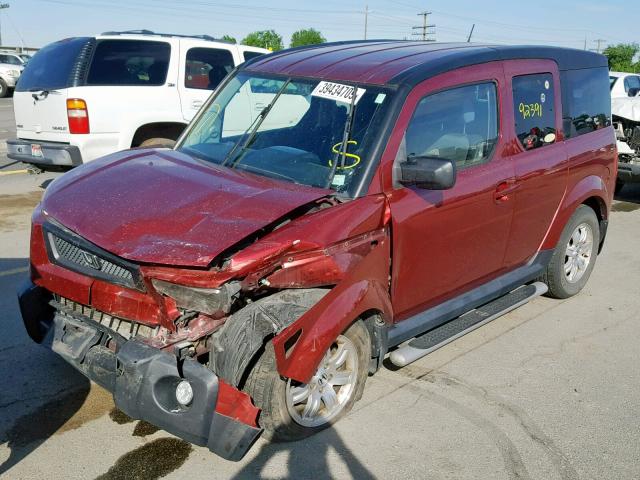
{"x":504,"y":189}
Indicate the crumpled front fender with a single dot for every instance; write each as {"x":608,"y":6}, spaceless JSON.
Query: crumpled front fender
{"x":364,"y":289}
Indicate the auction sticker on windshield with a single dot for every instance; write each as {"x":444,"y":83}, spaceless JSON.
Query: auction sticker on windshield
{"x":337,"y":92}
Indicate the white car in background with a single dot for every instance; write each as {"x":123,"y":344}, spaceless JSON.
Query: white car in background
{"x":624,"y":85}
{"x":9,"y":75}
{"x":84,"y":97}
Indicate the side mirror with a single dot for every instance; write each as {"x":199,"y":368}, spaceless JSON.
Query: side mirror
{"x":431,"y":173}
{"x":633,"y":92}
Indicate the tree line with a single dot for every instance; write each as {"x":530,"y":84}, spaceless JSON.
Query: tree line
{"x":273,"y":41}
{"x":623,"y":57}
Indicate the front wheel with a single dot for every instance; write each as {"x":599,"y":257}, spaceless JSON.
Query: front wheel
{"x":293,"y":410}
{"x":575,"y":255}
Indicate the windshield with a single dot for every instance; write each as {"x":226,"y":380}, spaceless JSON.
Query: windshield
{"x":290,"y":129}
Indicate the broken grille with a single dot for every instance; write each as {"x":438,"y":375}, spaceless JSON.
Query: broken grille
{"x":125,"y":328}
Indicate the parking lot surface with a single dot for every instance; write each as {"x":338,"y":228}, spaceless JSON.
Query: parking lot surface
{"x":548,"y":391}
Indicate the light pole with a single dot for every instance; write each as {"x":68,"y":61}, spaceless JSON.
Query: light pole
{"x":2,"y":7}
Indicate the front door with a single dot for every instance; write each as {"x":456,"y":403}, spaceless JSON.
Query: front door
{"x":447,"y":242}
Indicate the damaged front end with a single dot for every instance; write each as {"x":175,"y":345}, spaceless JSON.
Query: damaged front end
{"x":174,"y":344}
{"x":626,"y":121}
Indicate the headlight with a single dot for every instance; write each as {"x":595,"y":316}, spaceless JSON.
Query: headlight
{"x":205,"y":300}
{"x":14,"y":73}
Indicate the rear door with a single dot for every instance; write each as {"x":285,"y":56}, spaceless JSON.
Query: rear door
{"x":447,"y":242}
{"x":202,"y":69}
{"x":39,"y":101}
{"x":539,"y":155}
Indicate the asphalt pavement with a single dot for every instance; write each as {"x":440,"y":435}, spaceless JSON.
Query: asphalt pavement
{"x":549,"y":391}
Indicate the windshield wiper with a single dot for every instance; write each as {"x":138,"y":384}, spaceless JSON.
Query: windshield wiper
{"x":345,"y":138}
{"x":251,"y":131}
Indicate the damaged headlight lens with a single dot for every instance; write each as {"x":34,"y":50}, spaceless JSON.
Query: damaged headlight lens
{"x":205,"y":300}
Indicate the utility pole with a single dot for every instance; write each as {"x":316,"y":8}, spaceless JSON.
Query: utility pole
{"x":2,"y":7}
{"x":426,"y":29}
{"x":471,"y":33}
{"x":599,"y":41}
{"x":366,"y":20}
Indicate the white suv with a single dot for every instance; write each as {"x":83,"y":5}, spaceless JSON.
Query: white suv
{"x":81,"y":98}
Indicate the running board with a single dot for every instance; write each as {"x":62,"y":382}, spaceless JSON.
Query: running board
{"x":426,"y":343}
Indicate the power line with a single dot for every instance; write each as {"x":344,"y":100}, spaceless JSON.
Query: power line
{"x":599,"y":42}
{"x":426,"y":29}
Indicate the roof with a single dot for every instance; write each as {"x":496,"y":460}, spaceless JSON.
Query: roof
{"x":622,"y":74}
{"x":393,"y":62}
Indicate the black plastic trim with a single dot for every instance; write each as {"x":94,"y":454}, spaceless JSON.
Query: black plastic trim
{"x":446,"y":311}
{"x":50,"y":226}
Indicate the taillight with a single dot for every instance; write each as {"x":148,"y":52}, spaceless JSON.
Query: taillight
{"x":77,"y":115}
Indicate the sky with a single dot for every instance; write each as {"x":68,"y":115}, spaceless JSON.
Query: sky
{"x":571,"y":23}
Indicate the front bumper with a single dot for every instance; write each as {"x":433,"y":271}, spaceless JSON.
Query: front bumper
{"x":53,"y":153}
{"x":141,"y":378}
{"x":628,"y":172}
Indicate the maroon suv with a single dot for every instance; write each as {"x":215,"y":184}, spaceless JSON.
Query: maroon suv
{"x":329,"y":206}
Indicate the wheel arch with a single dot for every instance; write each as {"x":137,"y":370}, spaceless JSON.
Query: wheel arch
{"x":590,"y":191}
{"x":167,"y":129}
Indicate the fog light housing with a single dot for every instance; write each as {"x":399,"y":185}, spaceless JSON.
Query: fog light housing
{"x":184,"y":393}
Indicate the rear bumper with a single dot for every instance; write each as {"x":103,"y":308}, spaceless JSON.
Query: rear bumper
{"x":52,"y":153}
{"x":628,"y":172}
{"x":141,"y":378}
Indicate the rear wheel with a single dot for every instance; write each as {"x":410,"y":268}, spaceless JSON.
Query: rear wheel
{"x":292,"y":410}
{"x":4,"y":90}
{"x":575,"y":255}
{"x":158,"y":142}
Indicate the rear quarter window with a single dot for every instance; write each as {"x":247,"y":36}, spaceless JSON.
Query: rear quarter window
{"x":249,"y":55}
{"x":51,"y":67}
{"x":586,"y":101}
{"x":129,"y":62}
{"x":533,"y":103}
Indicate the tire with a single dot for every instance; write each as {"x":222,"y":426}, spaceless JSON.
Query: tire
{"x":619,"y":187}
{"x":158,"y":142}
{"x":4,"y":90}
{"x":561,"y":283}
{"x":269,"y":391}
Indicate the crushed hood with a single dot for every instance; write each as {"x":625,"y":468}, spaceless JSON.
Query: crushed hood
{"x":165,"y":207}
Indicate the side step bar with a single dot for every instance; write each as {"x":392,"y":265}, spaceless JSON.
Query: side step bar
{"x":426,"y":343}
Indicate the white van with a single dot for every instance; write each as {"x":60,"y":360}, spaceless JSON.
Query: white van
{"x":84,"y":97}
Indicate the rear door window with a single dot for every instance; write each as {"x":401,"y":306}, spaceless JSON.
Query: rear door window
{"x":533,"y":103}
{"x":460,"y":124}
{"x":50,"y":68}
{"x":129,"y":62}
{"x":206,"y":67}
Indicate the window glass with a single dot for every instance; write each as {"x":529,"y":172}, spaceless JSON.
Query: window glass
{"x":13,"y":60}
{"x":458,"y":124}
{"x":51,"y":66}
{"x":586,"y":101}
{"x":207,"y":67}
{"x":632,"y":85}
{"x":533,"y":102}
{"x":249,"y":55}
{"x":129,"y":62}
